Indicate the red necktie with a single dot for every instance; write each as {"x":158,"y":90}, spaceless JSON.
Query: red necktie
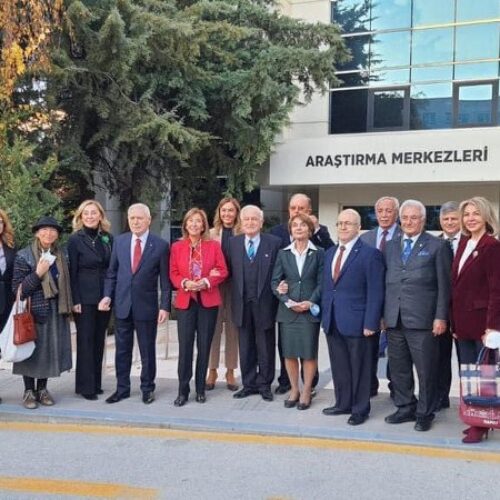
{"x":338,"y":264}
{"x":383,"y":241}
{"x":137,"y":255}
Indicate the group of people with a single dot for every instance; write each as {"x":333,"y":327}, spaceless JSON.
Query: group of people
{"x":395,"y":283}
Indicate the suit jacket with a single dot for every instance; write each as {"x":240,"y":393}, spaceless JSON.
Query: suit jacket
{"x":138,"y":292}
{"x":305,"y":286}
{"x":6,"y":294}
{"x":320,"y":239}
{"x":370,"y":237}
{"x":87,"y":267}
{"x":476,"y":290}
{"x":418,"y":291}
{"x":264,"y":261}
{"x":356,"y":300}
{"x":212,"y":259}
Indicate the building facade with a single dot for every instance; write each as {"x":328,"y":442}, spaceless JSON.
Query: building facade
{"x":417,"y":114}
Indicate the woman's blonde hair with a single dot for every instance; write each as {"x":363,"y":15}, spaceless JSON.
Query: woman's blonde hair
{"x":487,"y":213}
{"x":7,"y":234}
{"x":190,"y":213}
{"x":218,"y":225}
{"x":77,"y":223}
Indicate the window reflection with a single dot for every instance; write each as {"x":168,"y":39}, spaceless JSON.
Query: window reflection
{"x":352,"y":15}
{"x":432,"y":73}
{"x":360,"y":48}
{"x":477,"y":42}
{"x":475,"y":104}
{"x":432,"y":46}
{"x":431,"y":106}
{"x":390,"y":14}
{"x":468,"y":10}
{"x":388,"y":109}
{"x":432,"y":12}
{"x":382,"y":53}
{"x":393,"y":76}
{"x":476,"y":71}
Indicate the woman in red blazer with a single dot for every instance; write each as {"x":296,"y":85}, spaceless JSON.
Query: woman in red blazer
{"x":197,"y":268}
{"x":476,"y":286}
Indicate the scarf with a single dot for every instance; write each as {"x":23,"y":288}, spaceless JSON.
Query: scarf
{"x":50,"y":288}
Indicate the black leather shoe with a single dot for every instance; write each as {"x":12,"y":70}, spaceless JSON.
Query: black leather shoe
{"x":290,"y":403}
{"x":201,"y":398}
{"x":304,"y":406}
{"x":357,"y":419}
{"x":424,"y":423}
{"x":148,"y":397}
{"x":116,"y":397}
{"x":181,"y":400}
{"x":266,"y":394}
{"x":333,"y":410}
{"x":282,"y":389}
{"x":90,"y":397}
{"x":244,"y":393}
{"x":400,"y":416}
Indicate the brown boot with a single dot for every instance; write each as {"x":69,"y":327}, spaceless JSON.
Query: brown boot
{"x":212,"y":377}
{"x":231,"y":381}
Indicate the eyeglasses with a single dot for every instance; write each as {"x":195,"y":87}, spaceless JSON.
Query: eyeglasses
{"x":341,"y":223}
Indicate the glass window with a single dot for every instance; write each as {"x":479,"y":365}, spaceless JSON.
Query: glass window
{"x":432,"y":12}
{"x":428,"y":73}
{"x":390,"y":77}
{"x":383,"y":53}
{"x":475,"y":104}
{"x":388,"y":109}
{"x":469,"y":10}
{"x":351,"y":15}
{"x":390,"y":14}
{"x":348,"y":111}
{"x":360,"y":51}
{"x":354,"y":79}
{"x":477,"y":42}
{"x":431,"y":106}
{"x":432,"y":46}
{"x":476,"y":71}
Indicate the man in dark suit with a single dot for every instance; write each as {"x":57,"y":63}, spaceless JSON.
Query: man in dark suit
{"x":138,"y":259}
{"x":386,"y":211}
{"x":417,"y":300}
{"x":449,"y":220}
{"x":351,"y":305}
{"x":299,"y":203}
{"x":251,"y":258}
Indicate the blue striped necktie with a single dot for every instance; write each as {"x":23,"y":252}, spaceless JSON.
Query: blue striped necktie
{"x":405,"y":255}
{"x":251,"y":250}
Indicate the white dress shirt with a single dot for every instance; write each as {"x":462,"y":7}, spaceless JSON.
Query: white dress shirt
{"x":348,"y":247}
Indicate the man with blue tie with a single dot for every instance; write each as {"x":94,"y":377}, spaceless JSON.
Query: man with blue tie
{"x":251,"y":258}
{"x":138,"y":261}
{"x":417,"y":299}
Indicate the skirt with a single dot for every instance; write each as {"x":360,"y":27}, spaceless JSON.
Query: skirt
{"x":300,"y":340}
{"x":52,"y":354}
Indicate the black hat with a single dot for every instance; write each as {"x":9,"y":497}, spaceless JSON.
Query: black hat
{"x":46,"y":221}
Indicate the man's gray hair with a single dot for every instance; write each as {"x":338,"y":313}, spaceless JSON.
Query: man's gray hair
{"x":352,"y":212}
{"x":413,"y":203}
{"x":247,"y":208}
{"x":142,"y":206}
{"x":446,"y":208}
{"x":390,"y":198}
{"x":300,"y":195}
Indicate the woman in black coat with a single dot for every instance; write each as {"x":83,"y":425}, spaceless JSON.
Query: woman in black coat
{"x":7,"y":254}
{"x":89,"y":249}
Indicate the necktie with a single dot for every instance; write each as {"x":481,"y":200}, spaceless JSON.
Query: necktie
{"x":137,"y":255}
{"x":450,"y":241}
{"x":383,"y":241}
{"x":338,"y":264}
{"x":405,"y":255}
{"x":251,"y":250}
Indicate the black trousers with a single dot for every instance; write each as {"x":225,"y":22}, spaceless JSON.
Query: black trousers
{"x":195,"y":321}
{"x":408,"y":347}
{"x":468,"y":350}
{"x":124,"y":343}
{"x":91,"y":327}
{"x":375,"y":347}
{"x":351,"y":364}
{"x":257,"y":350}
{"x":445,"y":346}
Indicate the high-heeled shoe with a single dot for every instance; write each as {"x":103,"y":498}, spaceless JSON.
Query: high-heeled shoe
{"x":211,"y":379}
{"x":475,"y":435}
{"x":466,"y":431}
{"x":290,"y":403}
{"x":230,"y":380}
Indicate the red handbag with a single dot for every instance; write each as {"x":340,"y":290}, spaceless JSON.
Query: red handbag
{"x":24,"y":323}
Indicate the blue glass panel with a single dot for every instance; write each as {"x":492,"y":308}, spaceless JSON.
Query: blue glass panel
{"x":477,"y":42}
{"x":431,"y":106}
{"x":476,"y":71}
{"x":432,"y":46}
{"x":469,"y":10}
{"x":390,"y":14}
{"x":428,"y":73}
{"x":360,"y":51}
{"x":475,"y":104}
{"x":348,"y":111}
{"x":393,"y":76}
{"x":383,"y":53}
{"x":351,"y":15}
{"x":388,"y":108}
{"x":433,"y":12}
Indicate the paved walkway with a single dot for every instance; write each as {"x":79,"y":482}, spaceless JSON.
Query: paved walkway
{"x":223,"y":413}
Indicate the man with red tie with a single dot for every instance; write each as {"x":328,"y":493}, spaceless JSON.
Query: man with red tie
{"x":138,"y":259}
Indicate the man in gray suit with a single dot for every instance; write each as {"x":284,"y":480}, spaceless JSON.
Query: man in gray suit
{"x":416,"y":308}
{"x":386,"y":211}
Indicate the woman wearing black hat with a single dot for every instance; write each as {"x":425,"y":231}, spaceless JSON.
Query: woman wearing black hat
{"x":89,"y":250}
{"x":42,"y":272}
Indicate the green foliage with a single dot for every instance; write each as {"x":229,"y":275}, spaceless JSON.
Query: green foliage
{"x":162,"y":94}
